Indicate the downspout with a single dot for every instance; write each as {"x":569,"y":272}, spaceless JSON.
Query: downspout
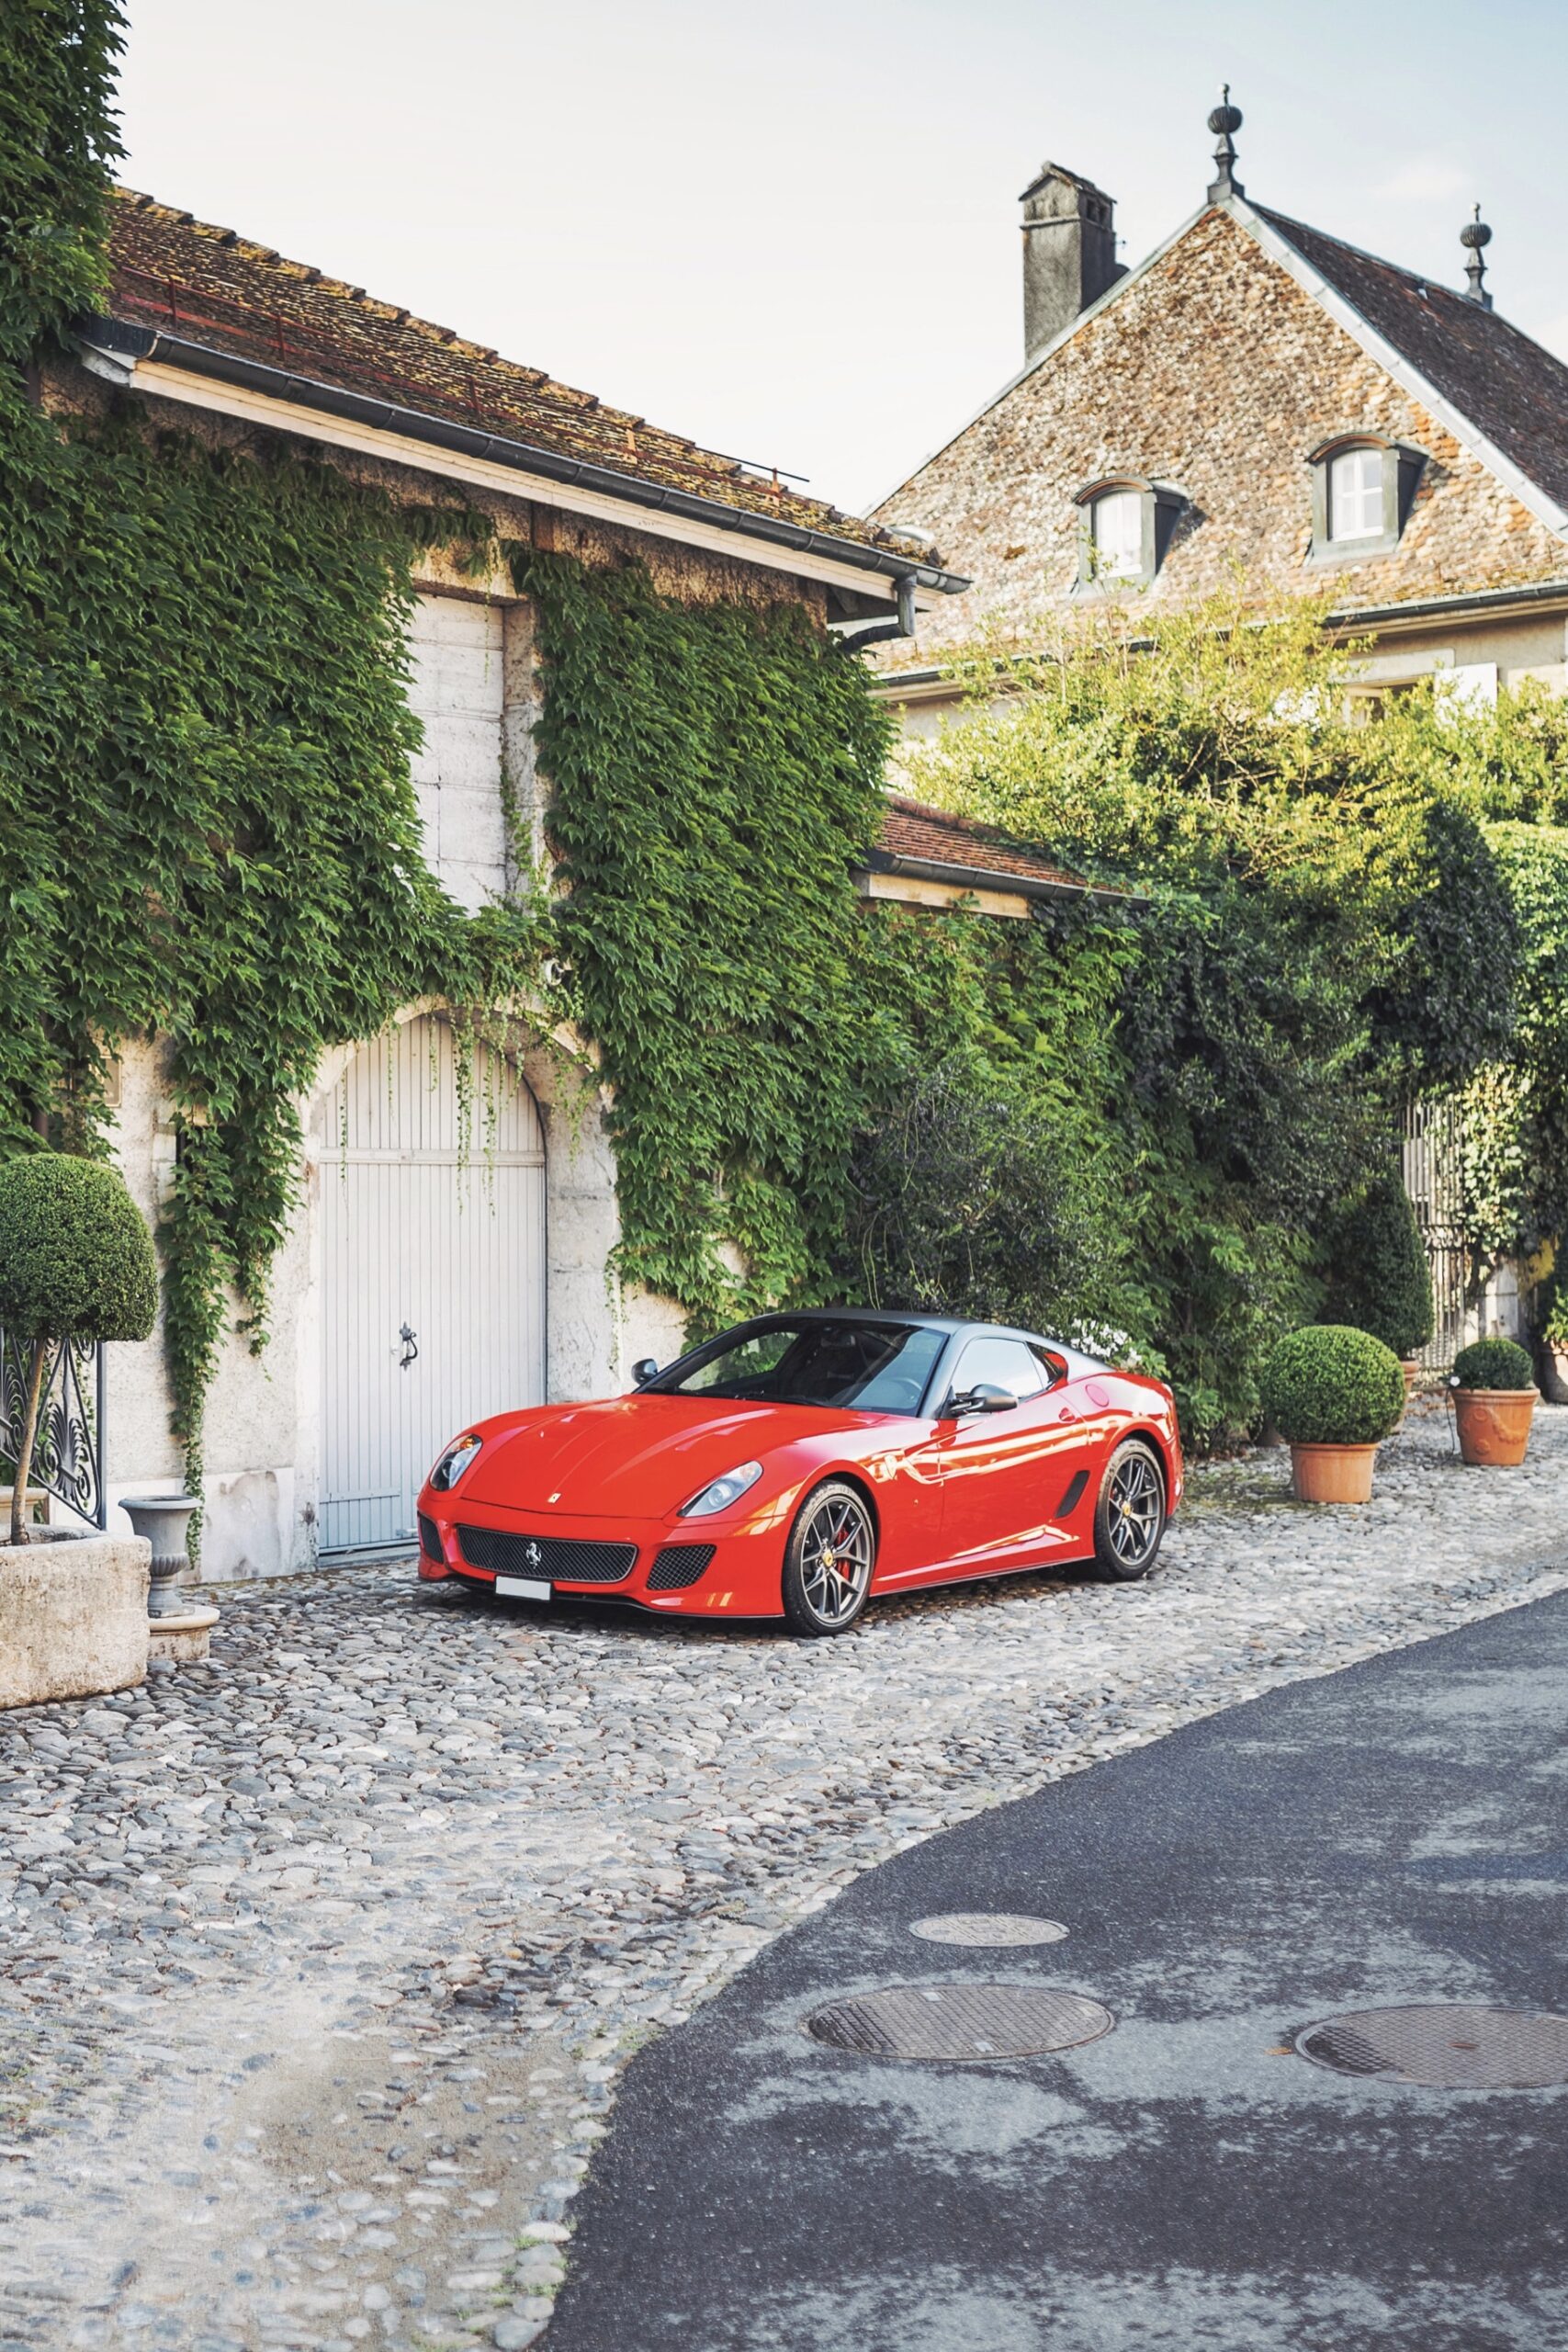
{"x":878,"y":632}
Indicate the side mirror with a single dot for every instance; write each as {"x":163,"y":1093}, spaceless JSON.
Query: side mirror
{"x":643,"y":1372}
{"x":985,"y":1397}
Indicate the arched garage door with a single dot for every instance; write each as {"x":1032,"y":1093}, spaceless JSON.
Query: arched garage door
{"x":423,"y":1238}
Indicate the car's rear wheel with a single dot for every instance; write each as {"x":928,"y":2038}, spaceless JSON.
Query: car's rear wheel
{"x":829,"y":1559}
{"x":1129,"y":1518}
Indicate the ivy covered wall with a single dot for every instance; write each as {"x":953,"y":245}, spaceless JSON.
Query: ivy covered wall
{"x":713,"y":772}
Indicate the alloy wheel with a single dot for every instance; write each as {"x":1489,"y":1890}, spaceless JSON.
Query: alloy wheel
{"x":836,"y":1554}
{"x":1136,"y":1509}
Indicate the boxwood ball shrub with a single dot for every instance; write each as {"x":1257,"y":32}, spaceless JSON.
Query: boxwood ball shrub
{"x":1331,"y":1384}
{"x":1494,"y":1363}
{"x":76,"y":1262}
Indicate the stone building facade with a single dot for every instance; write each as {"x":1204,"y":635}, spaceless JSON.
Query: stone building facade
{"x":427,"y":1279}
{"x":1256,"y":403}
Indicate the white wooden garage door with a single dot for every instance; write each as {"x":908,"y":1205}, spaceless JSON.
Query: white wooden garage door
{"x":422,"y":1238}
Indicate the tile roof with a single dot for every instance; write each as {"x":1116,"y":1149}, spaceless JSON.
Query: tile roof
{"x":913,"y":830}
{"x":1515,"y":392}
{"x":216,"y":288}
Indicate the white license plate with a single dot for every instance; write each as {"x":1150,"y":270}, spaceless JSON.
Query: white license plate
{"x":522,"y":1587}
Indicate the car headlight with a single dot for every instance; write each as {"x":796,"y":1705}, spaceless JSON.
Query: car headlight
{"x":723,"y":1492}
{"x":454,"y":1462}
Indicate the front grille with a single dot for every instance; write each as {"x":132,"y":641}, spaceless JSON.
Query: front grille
{"x":429,"y":1538}
{"x":557,"y":1558}
{"x":678,"y":1566}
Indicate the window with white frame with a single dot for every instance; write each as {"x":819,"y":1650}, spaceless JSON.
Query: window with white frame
{"x":1355,"y":508}
{"x":1116,"y":522}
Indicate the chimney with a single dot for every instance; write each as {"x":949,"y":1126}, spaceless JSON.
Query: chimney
{"x":1069,"y":253}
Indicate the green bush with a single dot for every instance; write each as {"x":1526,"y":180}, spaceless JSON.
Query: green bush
{"x":1494,"y":1363}
{"x":1331,"y":1384}
{"x":76,"y":1262}
{"x":1379,"y":1280}
{"x":966,"y":1199}
{"x":1555,"y":1311}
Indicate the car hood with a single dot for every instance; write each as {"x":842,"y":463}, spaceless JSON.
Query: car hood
{"x":633,"y":1457}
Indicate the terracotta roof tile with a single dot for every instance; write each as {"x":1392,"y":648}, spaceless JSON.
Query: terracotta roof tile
{"x":215,"y":288}
{"x":913,"y":828}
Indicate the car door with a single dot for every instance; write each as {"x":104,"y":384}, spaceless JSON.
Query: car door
{"x":1005,"y":1476}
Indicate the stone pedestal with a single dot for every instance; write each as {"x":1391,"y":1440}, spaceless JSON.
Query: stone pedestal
{"x":181,"y":1640}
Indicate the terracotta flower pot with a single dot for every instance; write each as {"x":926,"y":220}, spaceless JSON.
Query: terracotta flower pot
{"x":1411,"y":1367}
{"x":1495,"y":1425}
{"x":1332,"y":1473}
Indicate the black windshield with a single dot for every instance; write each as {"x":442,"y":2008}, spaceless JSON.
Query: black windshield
{"x":860,"y":1366}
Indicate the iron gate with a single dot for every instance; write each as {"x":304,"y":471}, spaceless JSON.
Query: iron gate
{"x":1431,"y":1155}
{"x":68,"y":1451}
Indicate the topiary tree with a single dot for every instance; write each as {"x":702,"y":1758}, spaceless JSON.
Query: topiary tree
{"x":1331,"y":1384}
{"x":76,"y":1262}
{"x":1494,"y":1363}
{"x":1379,"y":1280}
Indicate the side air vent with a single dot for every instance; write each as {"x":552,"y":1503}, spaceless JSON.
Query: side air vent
{"x":1074,"y":1495}
{"x":429,"y":1538}
{"x":557,"y":1557}
{"x":678,"y":1566}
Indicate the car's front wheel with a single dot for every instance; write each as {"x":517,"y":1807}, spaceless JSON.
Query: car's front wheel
{"x":1129,"y":1518}
{"x":829,"y":1559}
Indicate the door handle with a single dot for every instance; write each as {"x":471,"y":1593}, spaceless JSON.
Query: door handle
{"x":411,"y":1348}
{"x":1067,"y":1414}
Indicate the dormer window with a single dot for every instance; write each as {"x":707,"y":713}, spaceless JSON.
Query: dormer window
{"x":1362,"y":489}
{"x":1125,"y":528}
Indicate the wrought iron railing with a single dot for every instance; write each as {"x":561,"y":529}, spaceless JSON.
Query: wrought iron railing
{"x":1433,"y":1178}
{"x":68,"y":1450}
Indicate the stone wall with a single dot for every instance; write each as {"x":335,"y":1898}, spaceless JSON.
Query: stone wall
{"x":1215,"y":372}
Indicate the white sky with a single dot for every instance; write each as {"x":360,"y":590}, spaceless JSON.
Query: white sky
{"x":790,"y":231}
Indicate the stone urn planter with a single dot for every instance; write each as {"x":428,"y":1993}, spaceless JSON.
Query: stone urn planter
{"x":1554,"y":1373}
{"x":1334,"y":1392}
{"x":72,"y":1616}
{"x":1495,"y":1400}
{"x":180,"y":1628}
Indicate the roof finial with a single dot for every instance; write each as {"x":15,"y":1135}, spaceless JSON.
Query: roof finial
{"x":1224,"y":120}
{"x":1474,"y":236}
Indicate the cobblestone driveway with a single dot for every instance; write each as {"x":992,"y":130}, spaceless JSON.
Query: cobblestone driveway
{"x":319,"y":1963}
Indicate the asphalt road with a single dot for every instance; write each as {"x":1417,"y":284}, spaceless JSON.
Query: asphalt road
{"x":1396,"y":1832}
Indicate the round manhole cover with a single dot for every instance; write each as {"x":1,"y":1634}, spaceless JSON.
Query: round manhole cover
{"x":994,"y":1928}
{"x":960,"y":2022}
{"x":1448,"y":2046}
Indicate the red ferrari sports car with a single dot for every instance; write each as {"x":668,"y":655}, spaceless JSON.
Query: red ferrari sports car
{"x":805,"y":1463}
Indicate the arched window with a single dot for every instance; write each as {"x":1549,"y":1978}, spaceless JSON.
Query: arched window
{"x":1362,"y":485}
{"x":1124,"y":527}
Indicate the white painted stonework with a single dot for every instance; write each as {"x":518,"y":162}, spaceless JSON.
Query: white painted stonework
{"x":457,"y":647}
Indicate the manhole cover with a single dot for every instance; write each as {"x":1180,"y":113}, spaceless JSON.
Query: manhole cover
{"x":1449,"y":2046}
{"x":960,"y":2022}
{"x":994,"y":1928}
